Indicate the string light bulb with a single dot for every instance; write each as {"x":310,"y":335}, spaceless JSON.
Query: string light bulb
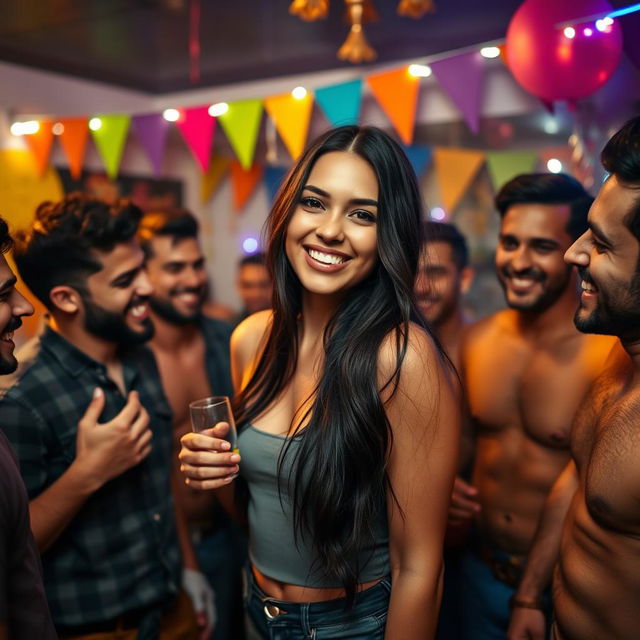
{"x":28,"y":127}
{"x":95,"y":124}
{"x":218,"y":109}
{"x":171,"y":115}
{"x":299,"y":93}
{"x":490,"y":52}
{"x":569,"y":32}
{"x":419,"y":70}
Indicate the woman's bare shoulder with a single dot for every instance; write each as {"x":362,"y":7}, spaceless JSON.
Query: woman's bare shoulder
{"x":251,"y":332}
{"x":421,"y":352}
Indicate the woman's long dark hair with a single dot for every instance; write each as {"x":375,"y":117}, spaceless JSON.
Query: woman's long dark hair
{"x":339,"y":480}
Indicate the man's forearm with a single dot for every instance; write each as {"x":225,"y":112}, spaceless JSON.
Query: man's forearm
{"x":546,"y":546}
{"x":189,"y":560}
{"x":52,"y":511}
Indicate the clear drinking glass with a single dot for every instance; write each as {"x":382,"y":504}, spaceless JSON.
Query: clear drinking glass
{"x":206,"y":413}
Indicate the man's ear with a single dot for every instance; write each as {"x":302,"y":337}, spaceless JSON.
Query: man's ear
{"x":466,"y":279}
{"x":65,"y":299}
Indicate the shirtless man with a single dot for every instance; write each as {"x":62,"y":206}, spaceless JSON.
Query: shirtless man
{"x":444,"y":276}
{"x":192,"y":352}
{"x":596,"y":582}
{"x":526,"y":371}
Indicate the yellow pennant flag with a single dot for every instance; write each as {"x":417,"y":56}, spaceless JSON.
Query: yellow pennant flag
{"x":397,"y":93}
{"x":218,"y":167}
{"x":109,"y":132}
{"x":291,"y":117}
{"x":455,"y":170}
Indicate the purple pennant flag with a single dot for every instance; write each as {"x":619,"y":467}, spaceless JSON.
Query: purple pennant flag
{"x":461,"y":77}
{"x":151,"y":130}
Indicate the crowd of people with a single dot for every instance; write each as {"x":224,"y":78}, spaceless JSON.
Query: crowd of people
{"x":380,"y":429}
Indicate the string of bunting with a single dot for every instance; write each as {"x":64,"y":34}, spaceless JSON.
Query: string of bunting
{"x":460,"y":76}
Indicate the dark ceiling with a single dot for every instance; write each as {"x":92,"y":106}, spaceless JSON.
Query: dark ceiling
{"x":143,"y":44}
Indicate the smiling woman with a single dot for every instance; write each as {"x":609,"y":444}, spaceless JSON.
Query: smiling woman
{"x":347,"y":409}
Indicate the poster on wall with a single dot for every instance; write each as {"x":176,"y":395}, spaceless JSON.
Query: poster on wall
{"x":147,"y":193}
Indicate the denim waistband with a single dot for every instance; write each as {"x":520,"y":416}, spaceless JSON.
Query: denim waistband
{"x":368,"y":602}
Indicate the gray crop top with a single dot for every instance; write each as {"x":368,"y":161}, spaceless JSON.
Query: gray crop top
{"x":272,"y":546}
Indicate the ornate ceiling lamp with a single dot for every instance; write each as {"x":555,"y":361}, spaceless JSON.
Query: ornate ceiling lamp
{"x":415,"y":8}
{"x":356,"y":48}
{"x":309,"y":10}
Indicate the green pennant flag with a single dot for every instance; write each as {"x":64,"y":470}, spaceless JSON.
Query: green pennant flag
{"x":504,"y":165}
{"x":110,"y":137}
{"x":241,"y":125}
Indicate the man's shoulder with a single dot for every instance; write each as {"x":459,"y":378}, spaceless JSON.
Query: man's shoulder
{"x":498,"y":325}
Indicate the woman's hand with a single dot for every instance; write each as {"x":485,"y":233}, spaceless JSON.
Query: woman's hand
{"x":206,"y":459}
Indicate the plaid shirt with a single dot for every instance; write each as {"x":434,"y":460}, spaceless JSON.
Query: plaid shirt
{"x":120,"y":552}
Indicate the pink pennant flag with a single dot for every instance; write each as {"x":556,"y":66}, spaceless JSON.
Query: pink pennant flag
{"x":198,"y":128}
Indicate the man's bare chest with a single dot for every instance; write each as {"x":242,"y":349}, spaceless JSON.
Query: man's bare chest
{"x":533,"y":390}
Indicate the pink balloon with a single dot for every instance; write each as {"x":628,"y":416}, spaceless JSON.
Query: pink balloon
{"x":552,"y":66}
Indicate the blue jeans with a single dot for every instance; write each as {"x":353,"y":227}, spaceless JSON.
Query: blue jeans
{"x":277,"y":620}
{"x":484,"y":600}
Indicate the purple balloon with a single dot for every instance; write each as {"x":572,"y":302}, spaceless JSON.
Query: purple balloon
{"x":553,"y":66}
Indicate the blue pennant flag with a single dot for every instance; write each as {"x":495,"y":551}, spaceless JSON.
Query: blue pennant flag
{"x":419,"y":157}
{"x":340,"y":103}
{"x":272,"y":178}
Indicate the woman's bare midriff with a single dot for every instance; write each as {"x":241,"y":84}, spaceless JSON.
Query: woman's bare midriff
{"x":296,"y":593}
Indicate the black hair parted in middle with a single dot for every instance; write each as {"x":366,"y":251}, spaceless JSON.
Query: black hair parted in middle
{"x":339,"y":479}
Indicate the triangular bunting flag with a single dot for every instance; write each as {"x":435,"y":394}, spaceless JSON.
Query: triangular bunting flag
{"x":273,"y":177}
{"x":397,"y":93}
{"x":241,"y":125}
{"x":74,"y":142}
{"x":291,"y":117}
{"x":340,"y":103}
{"x":461,"y":77}
{"x":504,"y":165}
{"x":218,"y":167}
{"x":419,"y":157}
{"x":40,"y":145}
{"x":244,"y":183}
{"x":197,"y":128}
{"x":151,"y":130}
{"x":455,"y":170}
{"x":110,"y":139}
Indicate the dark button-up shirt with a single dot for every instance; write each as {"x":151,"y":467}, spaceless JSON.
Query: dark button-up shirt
{"x":120,"y":551}
{"x":23,"y":605}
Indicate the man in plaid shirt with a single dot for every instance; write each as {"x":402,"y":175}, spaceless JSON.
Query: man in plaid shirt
{"x":92,"y":430}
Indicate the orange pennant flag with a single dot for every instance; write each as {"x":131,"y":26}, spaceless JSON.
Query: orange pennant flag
{"x":74,"y":142}
{"x":244,"y":183}
{"x":455,"y":170}
{"x":397,"y":93}
{"x":40,"y":145}
{"x":291,"y":117}
{"x":210,"y":181}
